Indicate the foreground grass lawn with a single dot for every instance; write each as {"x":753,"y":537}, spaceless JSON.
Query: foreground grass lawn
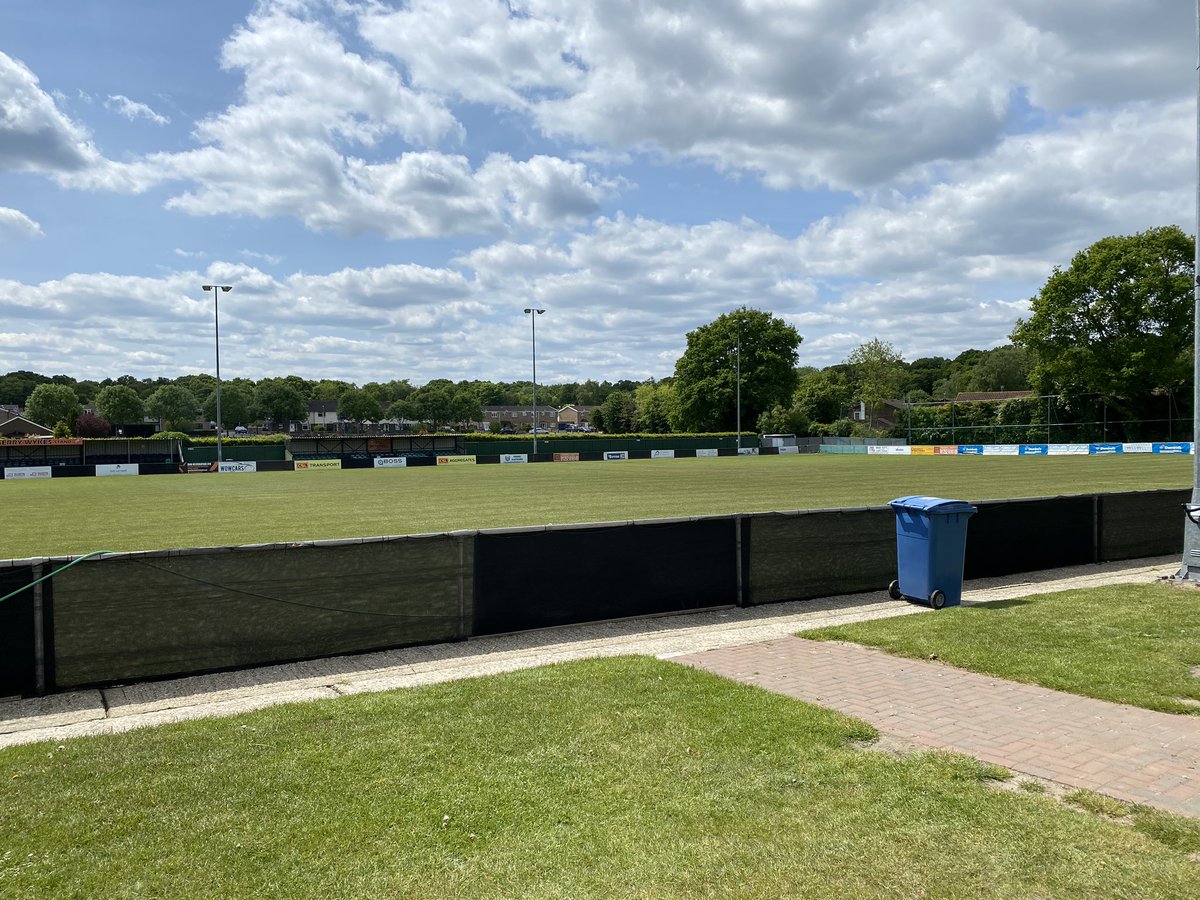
{"x":78,"y":515}
{"x":1132,"y":644}
{"x":607,"y":778}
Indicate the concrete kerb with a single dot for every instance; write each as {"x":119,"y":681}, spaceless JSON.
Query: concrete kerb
{"x":126,"y":707}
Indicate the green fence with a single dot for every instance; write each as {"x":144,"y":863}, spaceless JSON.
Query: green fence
{"x":235,"y":453}
{"x":555,"y":444}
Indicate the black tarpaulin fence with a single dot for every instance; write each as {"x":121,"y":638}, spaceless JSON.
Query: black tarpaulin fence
{"x":135,"y":616}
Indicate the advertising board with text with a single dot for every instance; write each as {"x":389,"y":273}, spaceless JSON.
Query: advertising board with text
{"x":18,"y":473}
{"x":313,"y":465}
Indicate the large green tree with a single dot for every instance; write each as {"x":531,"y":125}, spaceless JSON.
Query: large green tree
{"x":359,"y":405}
{"x":237,"y":401}
{"x":50,"y":404}
{"x":176,"y":406}
{"x":120,"y":405}
{"x":278,"y":400}
{"x":706,"y":380}
{"x":878,"y":372}
{"x":1117,"y":322}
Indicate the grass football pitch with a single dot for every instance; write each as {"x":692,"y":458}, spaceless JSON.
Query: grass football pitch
{"x":79,"y":515}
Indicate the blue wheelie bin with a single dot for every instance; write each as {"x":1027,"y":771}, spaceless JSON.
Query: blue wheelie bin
{"x":931,"y":546}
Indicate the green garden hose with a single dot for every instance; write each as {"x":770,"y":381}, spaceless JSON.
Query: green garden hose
{"x":55,"y":572}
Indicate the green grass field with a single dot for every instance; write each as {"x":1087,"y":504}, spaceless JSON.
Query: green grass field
{"x":79,"y":515}
{"x":626,"y":777}
{"x":1129,"y":643}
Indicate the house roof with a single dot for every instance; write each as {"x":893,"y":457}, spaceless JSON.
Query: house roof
{"x":979,"y":396}
{"x":20,"y":425}
{"x":322,"y":406}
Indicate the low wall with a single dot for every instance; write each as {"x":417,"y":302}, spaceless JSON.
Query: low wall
{"x":149,"y":615}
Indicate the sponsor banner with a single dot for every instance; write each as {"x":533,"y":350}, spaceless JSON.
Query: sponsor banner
{"x":970,"y":449}
{"x":1000,"y":449}
{"x":1138,"y":448}
{"x":456,"y":460}
{"x":1067,"y":450}
{"x":708,"y":452}
{"x":785,"y":450}
{"x":1034,"y":449}
{"x":514,"y":457}
{"x":390,"y":462}
{"x":118,"y":469}
{"x":616,"y":454}
{"x":1098,"y":449}
{"x":237,"y":466}
{"x":42,"y":442}
{"x":566,"y":457}
{"x":662,"y":454}
{"x":188,"y":468}
{"x":923,"y":450}
{"x":310,"y":465}
{"x":19,"y":472}
{"x":379,"y":445}
{"x":748,"y":451}
{"x":1172,"y":447}
{"x":945,"y":450}
{"x":879,"y":450}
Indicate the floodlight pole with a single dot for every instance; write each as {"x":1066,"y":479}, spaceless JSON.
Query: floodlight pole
{"x":1189,"y":570}
{"x":739,"y":384}
{"x":216,"y":292}
{"x":533,"y":313}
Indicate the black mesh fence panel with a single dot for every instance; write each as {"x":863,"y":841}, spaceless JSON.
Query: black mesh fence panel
{"x":1145,"y":523}
{"x":820,"y":554}
{"x":534,"y":579}
{"x":1010,"y":536}
{"x":17,"y":635}
{"x":150,"y":615}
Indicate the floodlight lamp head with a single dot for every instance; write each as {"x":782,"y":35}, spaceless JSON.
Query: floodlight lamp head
{"x":227,"y":288}
{"x":207,"y":287}
{"x":531,"y":309}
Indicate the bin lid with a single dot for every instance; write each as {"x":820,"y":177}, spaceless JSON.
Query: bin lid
{"x":932,"y":505}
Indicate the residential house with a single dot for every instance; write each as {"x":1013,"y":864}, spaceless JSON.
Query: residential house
{"x":323,"y":413}
{"x":519,"y":418}
{"x":575,"y":415}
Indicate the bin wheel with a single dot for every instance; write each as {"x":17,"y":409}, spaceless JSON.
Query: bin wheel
{"x":937,"y":599}
{"x":894,"y":591}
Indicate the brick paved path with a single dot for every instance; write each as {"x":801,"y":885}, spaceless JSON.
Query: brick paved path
{"x":1125,"y":752}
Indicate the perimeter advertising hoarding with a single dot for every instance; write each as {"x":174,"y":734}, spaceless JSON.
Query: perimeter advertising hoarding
{"x":747,"y":451}
{"x":616,"y":454}
{"x":514,"y":457}
{"x":566,"y":457}
{"x":18,"y":472}
{"x":1067,"y":450}
{"x":1139,"y":448}
{"x":872,"y":449}
{"x":237,"y":466}
{"x":390,"y":462}
{"x":1034,"y":449}
{"x":41,"y":442}
{"x":783,"y":450}
{"x":1101,"y":449}
{"x":118,"y":469}
{"x":1172,"y":447}
{"x":970,"y":449}
{"x":662,"y":454}
{"x":456,"y":460}
{"x":1001,"y":449}
{"x":708,"y":452}
{"x":945,"y":450}
{"x":923,"y":450}
{"x":311,"y":465}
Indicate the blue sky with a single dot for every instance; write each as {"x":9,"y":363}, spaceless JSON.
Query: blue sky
{"x":387,"y":185}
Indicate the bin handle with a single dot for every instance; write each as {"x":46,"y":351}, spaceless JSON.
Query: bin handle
{"x":1192,"y":512}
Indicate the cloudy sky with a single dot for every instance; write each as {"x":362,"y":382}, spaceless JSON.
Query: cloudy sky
{"x":387,"y":184}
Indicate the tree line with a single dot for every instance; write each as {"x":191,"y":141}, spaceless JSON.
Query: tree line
{"x":1114,"y":328}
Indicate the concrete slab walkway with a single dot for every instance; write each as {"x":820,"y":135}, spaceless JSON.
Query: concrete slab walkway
{"x":1125,"y":752}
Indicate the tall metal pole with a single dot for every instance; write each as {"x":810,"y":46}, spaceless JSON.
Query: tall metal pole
{"x":216,"y":292}
{"x":1190,"y":568}
{"x":739,"y":385}
{"x":533,"y":313}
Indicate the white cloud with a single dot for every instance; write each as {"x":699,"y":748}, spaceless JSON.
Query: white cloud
{"x":34,"y":133}
{"x":15,"y":223}
{"x":131,"y":109}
